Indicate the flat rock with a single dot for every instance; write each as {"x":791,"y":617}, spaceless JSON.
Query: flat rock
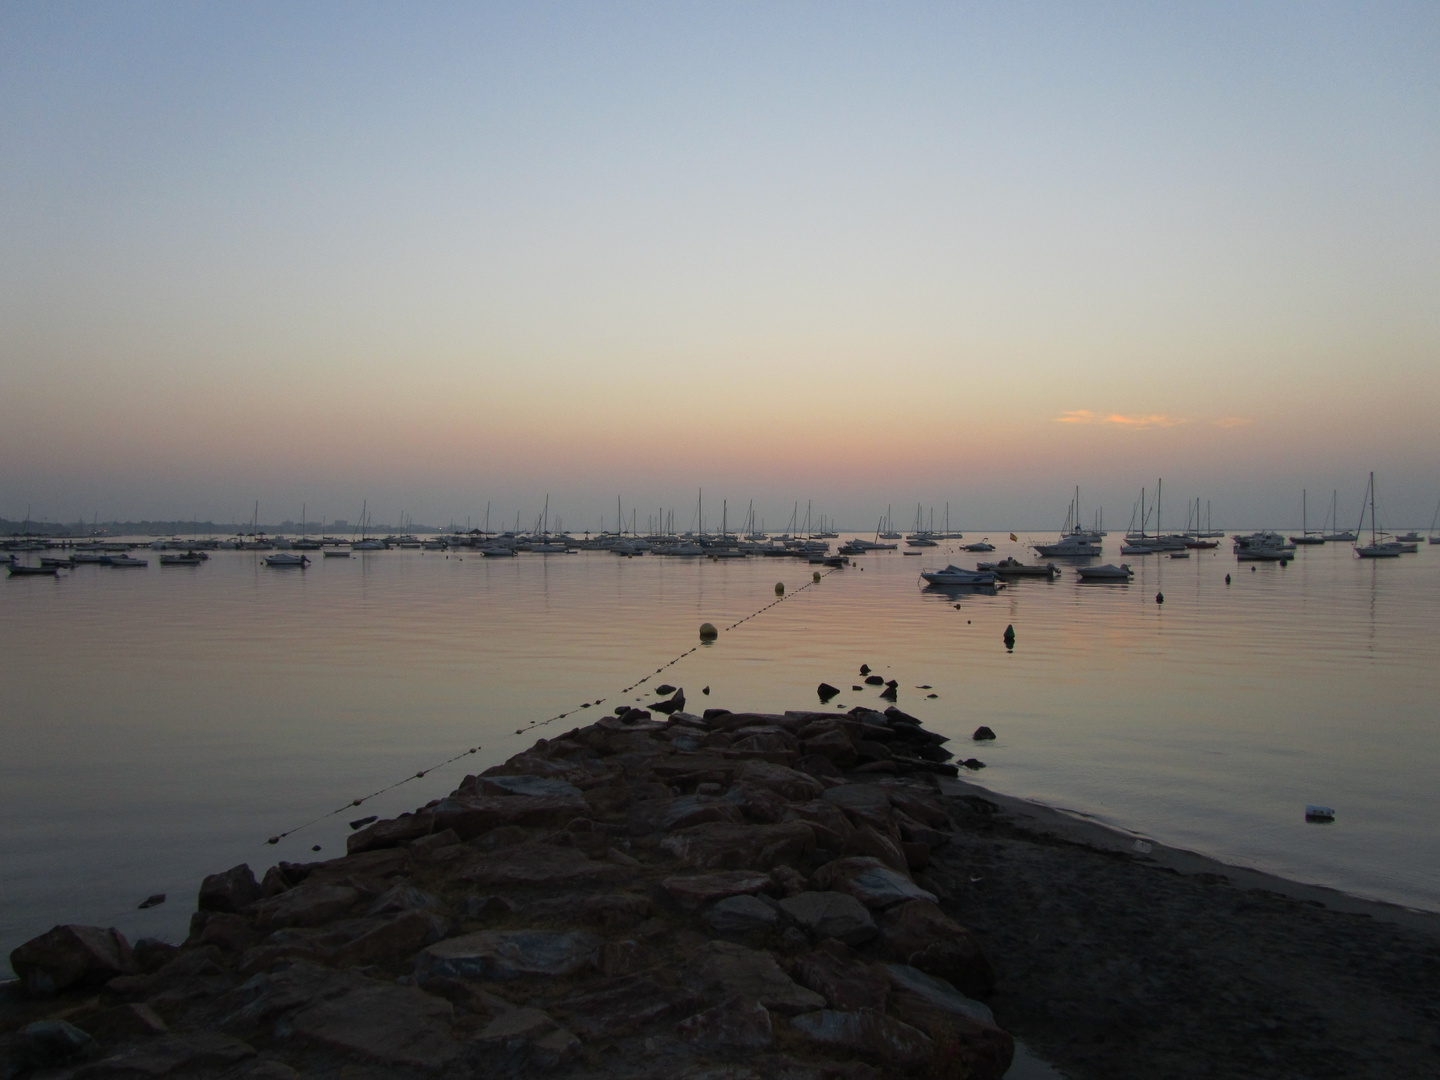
{"x":397,"y":936}
{"x":471,"y":815}
{"x":866,"y":1032}
{"x":694,"y":892}
{"x":870,"y":881}
{"x":535,"y":865}
{"x":70,"y":955}
{"x":625,"y":1005}
{"x":507,"y":954}
{"x":667,"y":815}
{"x":381,"y":1022}
{"x":721,"y":970}
{"x":741,"y":915}
{"x":526,"y":785}
{"x":515,"y":1028}
{"x":169,"y":1054}
{"x":308,"y":904}
{"x":936,"y":992}
{"x":720,"y":846}
{"x":831,"y":914}
{"x":390,"y":833}
{"x":738,"y":1022}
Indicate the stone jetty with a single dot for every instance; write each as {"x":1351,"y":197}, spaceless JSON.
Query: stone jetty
{"x":733,"y":895}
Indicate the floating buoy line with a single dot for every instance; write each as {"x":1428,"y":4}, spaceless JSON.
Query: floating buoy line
{"x":779,"y":599}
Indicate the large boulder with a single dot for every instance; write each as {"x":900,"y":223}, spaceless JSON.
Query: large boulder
{"x":866,"y":1032}
{"x":507,"y":954}
{"x":846,"y":982}
{"x":967,"y":1041}
{"x":234,"y":890}
{"x":69,"y":956}
{"x":830,"y":915}
{"x":719,"y":846}
{"x":918,"y":933}
{"x":310,"y":903}
{"x":721,"y":970}
{"x":788,"y":783}
{"x":390,"y":833}
{"x":870,"y":881}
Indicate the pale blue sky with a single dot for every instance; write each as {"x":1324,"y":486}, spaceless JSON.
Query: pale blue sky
{"x":434,"y":254}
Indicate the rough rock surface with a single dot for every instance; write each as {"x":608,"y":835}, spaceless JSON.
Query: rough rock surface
{"x":645,"y":896}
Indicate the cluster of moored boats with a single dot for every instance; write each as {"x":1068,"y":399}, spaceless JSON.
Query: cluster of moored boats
{"x":1077,"y":542}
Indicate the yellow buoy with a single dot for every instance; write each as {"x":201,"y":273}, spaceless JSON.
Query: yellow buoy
{"x":779,"y":588}
{"x":708,"y":631}
{"x":815,"y":576}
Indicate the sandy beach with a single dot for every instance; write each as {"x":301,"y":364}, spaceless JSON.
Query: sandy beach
{"x":1113,"y":963}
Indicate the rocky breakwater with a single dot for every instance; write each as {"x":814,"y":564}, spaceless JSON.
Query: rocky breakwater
{"x":728,"y":895}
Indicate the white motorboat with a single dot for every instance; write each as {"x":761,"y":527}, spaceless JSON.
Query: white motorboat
{"x":1262,"y":546}
{"x":954,"y":575}
{"x":496,"y":551}
{"x":1072,"y":545}
{"x":287,"y":559}
{"x":124,"y":561}
{"x":1006,"y":568}
{"x":979,"y":546}
{"x":1108,"y":572}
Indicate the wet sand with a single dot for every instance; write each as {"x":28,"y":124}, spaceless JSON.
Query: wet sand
{"x":1114,"y":963}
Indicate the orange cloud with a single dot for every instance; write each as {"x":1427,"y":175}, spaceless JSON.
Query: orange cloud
{"x":1085,"y":416}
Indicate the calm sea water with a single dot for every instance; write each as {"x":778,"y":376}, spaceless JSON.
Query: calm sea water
{"x":159,"y":724}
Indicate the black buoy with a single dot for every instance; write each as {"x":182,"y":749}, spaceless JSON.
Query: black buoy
{"x":1253,"y":569}
{"x":1010,"y":636}
{"x":1227,"y":579}
{"x":1159,"y":598}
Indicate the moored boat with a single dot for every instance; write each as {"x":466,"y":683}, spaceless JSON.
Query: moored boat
{"x":1107,"y":572}
{"x":954,"y":575}
{"x":1011,"y":567}
{"x":283,"y":559}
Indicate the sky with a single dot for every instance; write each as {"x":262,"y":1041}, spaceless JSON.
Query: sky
{"x":436,"y":256}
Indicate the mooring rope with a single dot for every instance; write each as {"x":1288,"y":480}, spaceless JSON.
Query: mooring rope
{"x":541,"y":723}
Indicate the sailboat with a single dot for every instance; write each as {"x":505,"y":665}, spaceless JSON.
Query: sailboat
{"x":1305,"y":536}
{"x":365,"y":543}
{"x":304,"y":543}
{"x":1377,"y":548}
{"x":1338,"y":535}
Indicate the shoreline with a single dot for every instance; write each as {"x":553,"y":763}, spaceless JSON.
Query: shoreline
{"x":793,"y":896}
{"x":1080,"y":828}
